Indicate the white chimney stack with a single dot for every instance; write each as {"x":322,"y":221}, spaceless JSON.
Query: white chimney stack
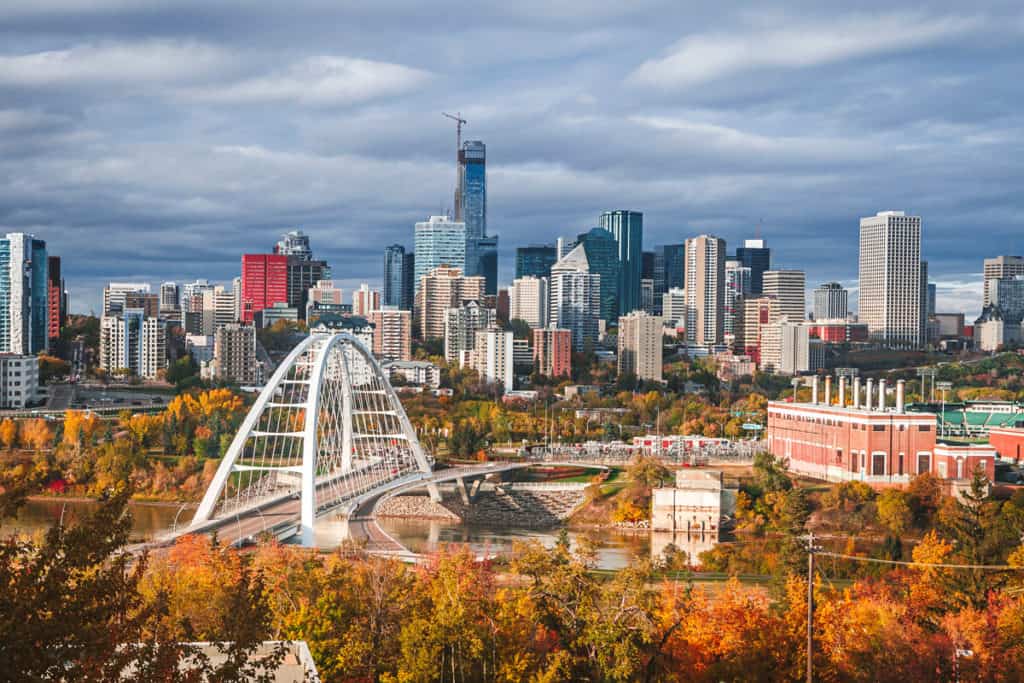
{"x":868,"y":398}
{"x":881,"y":394}
{"x":842,"y":391}
{"x":828,"y":390}
{"x":814,"y":389}
{"x":900,"y":395}
{"x":856,"y":392}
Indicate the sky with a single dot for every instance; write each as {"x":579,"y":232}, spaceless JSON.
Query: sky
{"x":160,"y":140}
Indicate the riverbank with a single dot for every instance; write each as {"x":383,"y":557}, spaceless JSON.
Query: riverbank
{"x":155,"y":502}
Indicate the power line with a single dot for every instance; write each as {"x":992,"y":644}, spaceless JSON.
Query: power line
{"x":858,"y":558}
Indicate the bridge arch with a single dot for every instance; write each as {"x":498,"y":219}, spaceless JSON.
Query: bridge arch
{"x":327,"y":428}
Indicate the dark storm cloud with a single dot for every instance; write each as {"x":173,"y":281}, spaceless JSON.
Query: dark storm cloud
{"x":159,"y":140}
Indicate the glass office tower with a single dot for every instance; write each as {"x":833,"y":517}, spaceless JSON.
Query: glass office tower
{"x":481,"y":249}
{"x":758,"y":257}
{"x":535,"y":260}
{"x":628,"y":229}
{"x":395,"y":274}
{"x":24,"y":310}
{"x":602,"y":252}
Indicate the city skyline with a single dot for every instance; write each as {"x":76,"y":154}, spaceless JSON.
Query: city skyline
{"x":181,"y":137}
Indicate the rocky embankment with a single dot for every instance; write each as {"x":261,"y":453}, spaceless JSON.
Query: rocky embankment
{"x":494,"y":507}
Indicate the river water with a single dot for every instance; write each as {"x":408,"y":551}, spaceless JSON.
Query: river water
{"x":615,"y":548}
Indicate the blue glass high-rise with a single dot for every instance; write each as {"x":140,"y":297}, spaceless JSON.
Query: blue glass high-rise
{"x":481,"y":248}
{"x":535,"y":260}
{"x":397,"y":278}
{"x":602,"y":253}
{"x":24,"y":309}
{"x":628,"y":229}
{"x":758,"y":257}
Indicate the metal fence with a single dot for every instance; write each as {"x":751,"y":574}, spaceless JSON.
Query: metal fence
{"x":620,"y":453}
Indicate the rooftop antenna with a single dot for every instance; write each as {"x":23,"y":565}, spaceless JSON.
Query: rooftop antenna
{"x":459,"y":122}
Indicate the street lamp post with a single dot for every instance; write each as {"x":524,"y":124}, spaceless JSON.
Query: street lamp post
{"x":943,"y":387}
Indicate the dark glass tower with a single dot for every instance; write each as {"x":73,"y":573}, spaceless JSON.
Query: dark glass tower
{"x":627,"y":227}
{"x":602,"y":253}
{"x":647,"y":266}
{"x":758,"y":257}
{"x":535,"y":260}
{"x":669,"y":267}
{"x":481,"y":249}
{"x":395,"y":269}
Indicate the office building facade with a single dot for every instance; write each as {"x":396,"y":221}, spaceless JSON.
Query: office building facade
{"x":1000,"y":267}
{"x":603,"y":258}
{"x":627,"y":227}
{"x":264,"y":283}
{"x":789,"y":287}
{"x":831,"y":302}
{"x":24,"y":289}
{"x":889,"y":293}
{"x":737,"y":287}
{"x":398,"y":273}
{"x":756,"y":255}
{"x":439,"y":242}
{"x":56,"y":302}
{"x":528,"y":301}
{"x":535,"y":260}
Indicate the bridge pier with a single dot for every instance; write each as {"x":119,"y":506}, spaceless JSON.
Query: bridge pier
{"x":435,"y":493}
{"x":460,"y":486}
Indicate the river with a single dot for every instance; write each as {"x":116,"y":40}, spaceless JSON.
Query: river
{"x":615,"y":548}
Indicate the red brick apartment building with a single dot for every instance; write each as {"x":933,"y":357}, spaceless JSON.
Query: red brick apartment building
{"x":841,"y":440}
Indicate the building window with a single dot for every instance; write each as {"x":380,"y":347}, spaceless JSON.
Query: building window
{"x":924,"y":428}
{"x":878,"y":428}
{"x":878,"y":464}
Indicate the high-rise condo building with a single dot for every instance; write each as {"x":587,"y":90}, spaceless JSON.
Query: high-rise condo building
{"x":264,"y":283}
{"x":133,"y":343}
{"x":737,"y":287}
{"x":602,"y":251}
{"x":440,"y":289}
{"x":398,"y":275}
{"x":365,"y":300}
{"x":756,"y":255}
{"x":535,"y":260}
{"x":889,"y":293}
{"x":461,"y":324}
{"x":647,"y":295}
{"x":55,"y":300}
{"x":1001,"y":266}
{"x":234,"y":354}
{"x":169,"y":297}
{"x":115,"y":294}
{"x":787,"y":349}
{"x":392,"y":333}
{"x":831,"y":302}
{"x":923,"y":325}
{"x":575,"y":298}
{"x":758,"y":312}
{"x":673,"y":307}
{"x":24,"y":287}
{"x":640,"y":346}
{"x":705,"y":290}
{"x":552,"y":352}
{"x":492,"y":357}
{"x":628,"y":229}
{"x":528,"y":301}
{"x":190,"y":290}
{"x":218,"y":309}
{"x":439,"y":242}
{"x":789,"y":287}
{"x":149,"y":303}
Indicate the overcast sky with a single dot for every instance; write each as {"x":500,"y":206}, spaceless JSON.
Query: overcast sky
{"x":160,"y":140}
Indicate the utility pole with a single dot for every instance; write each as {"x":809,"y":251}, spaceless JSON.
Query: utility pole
{"x":459,"y":122}
{"x":811,"y":550}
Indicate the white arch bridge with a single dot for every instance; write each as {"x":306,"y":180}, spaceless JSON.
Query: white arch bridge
{"x":327,"y":435}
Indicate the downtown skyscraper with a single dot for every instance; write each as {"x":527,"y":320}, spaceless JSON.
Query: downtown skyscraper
{"x":399,"y":274}
{"x":24,"y":285}
{"x":754,"y":254}
{"x":628,"y":229}
{"x":889,"y":294}
{"x":471,"y":209}
{"x":705,"y":290}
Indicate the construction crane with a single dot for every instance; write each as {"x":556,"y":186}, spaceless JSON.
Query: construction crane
{"x":459,"y":122}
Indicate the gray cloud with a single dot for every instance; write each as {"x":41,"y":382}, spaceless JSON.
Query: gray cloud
{"x":160,"y":140}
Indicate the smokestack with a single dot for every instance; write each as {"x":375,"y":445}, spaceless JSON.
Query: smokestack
{"x":842,"y":391}
{"x":856,"y":392}
{"x":881,"y":394}
{"x":814,"y":389}
{"x":828,"y":390}
{"x":900,"y":389}
{"x":868,"y":397}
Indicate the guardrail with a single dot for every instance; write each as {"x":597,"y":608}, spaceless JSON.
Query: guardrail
{"x":544,"y":485}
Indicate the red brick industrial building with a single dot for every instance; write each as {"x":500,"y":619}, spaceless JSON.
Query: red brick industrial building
{"x":842,"y":438}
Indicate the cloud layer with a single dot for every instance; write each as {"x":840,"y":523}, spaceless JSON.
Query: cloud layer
{"x":160,"y":140}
